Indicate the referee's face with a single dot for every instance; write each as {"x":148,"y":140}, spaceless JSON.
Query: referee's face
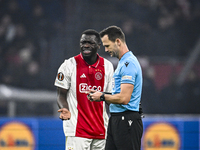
{"x":110,"y":47}
{"x":89,"y":45}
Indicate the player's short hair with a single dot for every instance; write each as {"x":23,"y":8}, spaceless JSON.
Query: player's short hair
{"x":113,"y":33}
{"x":93,"y":32}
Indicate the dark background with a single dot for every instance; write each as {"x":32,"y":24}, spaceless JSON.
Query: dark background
{"x":37,"y":35}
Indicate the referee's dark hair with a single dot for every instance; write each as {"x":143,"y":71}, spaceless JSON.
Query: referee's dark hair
{"x":93,"y":32}
{"x":113,"y":33}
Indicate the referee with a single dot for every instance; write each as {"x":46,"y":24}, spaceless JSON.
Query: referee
{"x":125,"y":126}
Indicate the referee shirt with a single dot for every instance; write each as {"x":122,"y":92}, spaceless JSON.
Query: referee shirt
{"x":127,"y":71}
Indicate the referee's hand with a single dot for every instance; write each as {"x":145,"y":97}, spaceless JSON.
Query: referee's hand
{"x":64,"y":114}
{"x":94,"y":95}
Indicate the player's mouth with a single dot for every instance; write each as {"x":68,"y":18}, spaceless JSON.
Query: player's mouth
{"x":86,"y":51}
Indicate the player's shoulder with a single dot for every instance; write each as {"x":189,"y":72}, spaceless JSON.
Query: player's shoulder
{"x":69,"y":61}
{"x":106,"y":61}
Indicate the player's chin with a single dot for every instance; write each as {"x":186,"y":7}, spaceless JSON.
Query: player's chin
{"x":87,"y":55}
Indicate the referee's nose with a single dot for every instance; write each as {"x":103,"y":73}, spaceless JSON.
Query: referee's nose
{"x":106,"y":49}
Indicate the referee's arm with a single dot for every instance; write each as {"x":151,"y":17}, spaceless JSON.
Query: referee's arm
{"x":121,"y":98}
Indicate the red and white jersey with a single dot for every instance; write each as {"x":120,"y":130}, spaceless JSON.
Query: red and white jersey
{"x":88,"y":119}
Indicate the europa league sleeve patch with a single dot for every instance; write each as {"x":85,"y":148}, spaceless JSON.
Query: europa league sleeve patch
{"x":60,"y":76}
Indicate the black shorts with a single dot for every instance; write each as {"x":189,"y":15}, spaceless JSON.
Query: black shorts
{"x":124,"y":131}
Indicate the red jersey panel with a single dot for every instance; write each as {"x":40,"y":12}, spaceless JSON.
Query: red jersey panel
{"x":90,"y":123}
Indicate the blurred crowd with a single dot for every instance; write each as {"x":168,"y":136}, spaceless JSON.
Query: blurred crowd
{"x":161,"y":27}
{"x":164,"y":28}
{"x":32,"y":33}
{"x":172,"y":97}
{"x":26,"y":28}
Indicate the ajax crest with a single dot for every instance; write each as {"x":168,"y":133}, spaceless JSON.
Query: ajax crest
{"x":98,"y":76}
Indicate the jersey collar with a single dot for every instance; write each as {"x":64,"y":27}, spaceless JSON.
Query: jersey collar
{"x":126,"y":54}
{"x":93,"y":65}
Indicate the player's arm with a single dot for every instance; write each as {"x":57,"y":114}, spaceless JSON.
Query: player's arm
{"x":63,"y":104}
{"x":121,"y":98}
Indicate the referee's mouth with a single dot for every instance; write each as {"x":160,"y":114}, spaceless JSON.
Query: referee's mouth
{"x":109,"y":53}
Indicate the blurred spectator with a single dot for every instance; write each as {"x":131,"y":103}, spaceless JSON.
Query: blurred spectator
{"x":8,"y":29}
{"x":39,"y":25}
{"x":13,"y":9}
{"x":12,"y":67}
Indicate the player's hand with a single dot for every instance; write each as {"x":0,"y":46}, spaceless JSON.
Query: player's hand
{"x":64,"y":114}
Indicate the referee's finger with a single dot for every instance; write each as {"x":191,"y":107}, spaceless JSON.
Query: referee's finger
{"x":91,"y":99}
{"x":87,"y":92}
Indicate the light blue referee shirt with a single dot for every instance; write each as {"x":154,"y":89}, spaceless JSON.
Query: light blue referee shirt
{"x":127,"y":71}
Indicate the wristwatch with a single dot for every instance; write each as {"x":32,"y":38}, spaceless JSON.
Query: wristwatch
{"x":102,"y":98}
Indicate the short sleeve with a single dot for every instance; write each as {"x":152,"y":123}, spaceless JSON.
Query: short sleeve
{"x":128,"y":72}
{"x":63,"y":78}
{"x":109,"y":75}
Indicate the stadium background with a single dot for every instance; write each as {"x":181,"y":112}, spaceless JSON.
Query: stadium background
{"x":37,"y":35}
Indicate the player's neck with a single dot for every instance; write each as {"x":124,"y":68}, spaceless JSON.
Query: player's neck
{"x":90,"y":60}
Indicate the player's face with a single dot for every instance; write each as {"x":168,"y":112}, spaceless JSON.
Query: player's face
{"x":110,"y":47}
{"x":89,"y":45}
